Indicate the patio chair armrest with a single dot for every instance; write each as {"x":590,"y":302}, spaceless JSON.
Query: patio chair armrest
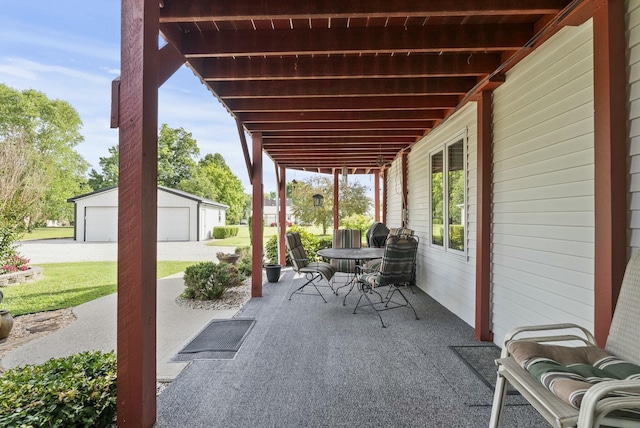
{"x":523,"y":333}
{"x":361,"y":269}
{"x":596,"y":405}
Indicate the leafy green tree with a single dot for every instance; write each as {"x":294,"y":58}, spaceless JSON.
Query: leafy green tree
{"x":215,"y":180}
{"x":47,"y":132}
{"x":353,"y":200}
{"x":109,"y":175}
{"x":177,"y":154}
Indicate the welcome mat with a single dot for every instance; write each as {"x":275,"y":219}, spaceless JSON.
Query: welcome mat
{"x":219,"y":339}
{"x":480,"y":359}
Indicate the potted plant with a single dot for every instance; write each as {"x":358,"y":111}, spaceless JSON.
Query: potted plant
{"x":273,"y":272}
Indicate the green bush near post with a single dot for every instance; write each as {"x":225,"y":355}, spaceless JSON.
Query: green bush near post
{"x":209,"y":281}
{"x":223,"y":232}
{"x":79,"y":390}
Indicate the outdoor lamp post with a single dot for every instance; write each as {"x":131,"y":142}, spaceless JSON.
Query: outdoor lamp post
{"x":317,"y":200}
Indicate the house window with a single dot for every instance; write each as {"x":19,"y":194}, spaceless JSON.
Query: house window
{"x":448,"y":196}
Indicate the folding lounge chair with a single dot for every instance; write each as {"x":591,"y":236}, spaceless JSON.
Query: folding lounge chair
{"x":301,"y":264}
{"x":592,"y":382}
{"x":396,"y":268}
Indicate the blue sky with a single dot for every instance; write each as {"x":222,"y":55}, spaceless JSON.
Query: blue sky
{"x":70,"y":50}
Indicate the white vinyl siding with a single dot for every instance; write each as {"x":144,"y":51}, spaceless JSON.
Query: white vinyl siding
{"x":394,"y":194}
{"x":633,"y":91}
{"x":543,"y":187}
{"x":447,"y":277}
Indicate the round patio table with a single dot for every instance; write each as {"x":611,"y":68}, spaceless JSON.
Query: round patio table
{"x":357,"y":254}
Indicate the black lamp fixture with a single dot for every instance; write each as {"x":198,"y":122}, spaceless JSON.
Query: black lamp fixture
{"x":317,"y":200}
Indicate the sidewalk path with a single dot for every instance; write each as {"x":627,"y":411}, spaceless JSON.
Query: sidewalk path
{"x":95,"y":329}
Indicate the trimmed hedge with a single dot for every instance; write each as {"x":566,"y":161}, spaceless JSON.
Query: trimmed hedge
{"x":209,"y":281}
{"x":222,"y":232}
{"x":75,"y":391}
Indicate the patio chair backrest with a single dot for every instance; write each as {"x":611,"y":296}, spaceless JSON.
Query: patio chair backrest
{"x":624,"y":334}
{"x":297,"y":253}
{"x":397,"y":261}
{"x":346,"y":238}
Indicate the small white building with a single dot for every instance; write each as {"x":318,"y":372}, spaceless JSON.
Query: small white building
{"x":181,"y":216}
{"x":270,"y":211}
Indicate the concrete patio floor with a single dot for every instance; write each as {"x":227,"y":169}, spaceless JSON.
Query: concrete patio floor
{"x":307,"y":363}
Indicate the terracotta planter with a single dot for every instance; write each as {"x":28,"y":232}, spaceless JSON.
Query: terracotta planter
{"x":6,"y":324}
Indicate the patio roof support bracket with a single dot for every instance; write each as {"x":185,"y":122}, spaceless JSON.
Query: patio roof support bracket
{"x":245,"y":149}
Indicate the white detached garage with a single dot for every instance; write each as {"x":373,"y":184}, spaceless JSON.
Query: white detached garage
{"x":181,"y":216}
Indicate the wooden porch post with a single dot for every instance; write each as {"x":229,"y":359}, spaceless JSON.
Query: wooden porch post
{"x":405,"y":187}
{"x":483,"y":234}
{"x":610,"y":160}
{"x":257,"y":208}
{"x":137,"y":214}
{"x":376,"y":195}
{"x":384,"y":196}
{"x":336,"y":199}
{"x":282,"y":214}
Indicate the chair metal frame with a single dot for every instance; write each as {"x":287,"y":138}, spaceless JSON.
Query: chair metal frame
{"x":387,"y":277}
{"x":312,"y":270}
{"x":623,"y":342}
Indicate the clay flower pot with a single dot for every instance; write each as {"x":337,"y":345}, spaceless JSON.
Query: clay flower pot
{"x":6,"y":324}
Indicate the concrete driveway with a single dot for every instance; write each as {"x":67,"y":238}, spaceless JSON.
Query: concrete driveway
{"x":68,"y":250}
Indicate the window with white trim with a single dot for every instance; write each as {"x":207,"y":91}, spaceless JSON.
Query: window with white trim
{"x":448,"y":201}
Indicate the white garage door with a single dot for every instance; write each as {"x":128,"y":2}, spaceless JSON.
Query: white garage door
{"x":173,"y":223}
{"x":101,"y":224}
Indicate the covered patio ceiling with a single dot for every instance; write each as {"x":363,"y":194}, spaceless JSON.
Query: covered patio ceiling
{"x":332,"y":84}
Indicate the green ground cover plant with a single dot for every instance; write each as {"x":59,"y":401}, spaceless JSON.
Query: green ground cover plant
{"x":70,"y":284}
{"x":75,"y":391}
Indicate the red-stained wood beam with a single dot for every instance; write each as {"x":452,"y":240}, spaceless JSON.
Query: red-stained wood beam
{"x":282,"y":214}
{"x":346,"y":134}
{"x":245,"y":149}
{"x":169,"y":61}
{"x":483,"y":220}
{"x":405,"y":186}
{"x":376,"y":195}
{"x":362,"y":143}
{"x":349,"y":67}
{"x":318,"y":41}
{"x":385,"y":182}
{"x":137,"y":215}
{"x":403,"y":102}
{"x":341,"y":88}
{"x":339,"y":126}
{"x":336,"y":198}
{"x":610,"y":160}
{"x":257,"y":216}
{"x":205,"y":10}
{"x":340,"y":116}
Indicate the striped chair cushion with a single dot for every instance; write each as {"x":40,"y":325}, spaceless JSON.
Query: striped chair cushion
{"x":569,"y":372}
{"x":296,"y":251}
{"x":345,"y":238}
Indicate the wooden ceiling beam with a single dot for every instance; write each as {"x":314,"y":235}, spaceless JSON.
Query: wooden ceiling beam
{"x":356,"y":126}
{"x":349,"y":67}
{"x":344,"y":133}
{"x":344,"y":88}
{"x":340,"y":116}
{"x":321,"y":41}
{"x":206,"y":10}
{"x":437,"y":102}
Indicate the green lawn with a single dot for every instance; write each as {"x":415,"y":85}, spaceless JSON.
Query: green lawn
{"x":69,"y":284}
{"x":49,"y":233}
{"x":242,"y":239}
